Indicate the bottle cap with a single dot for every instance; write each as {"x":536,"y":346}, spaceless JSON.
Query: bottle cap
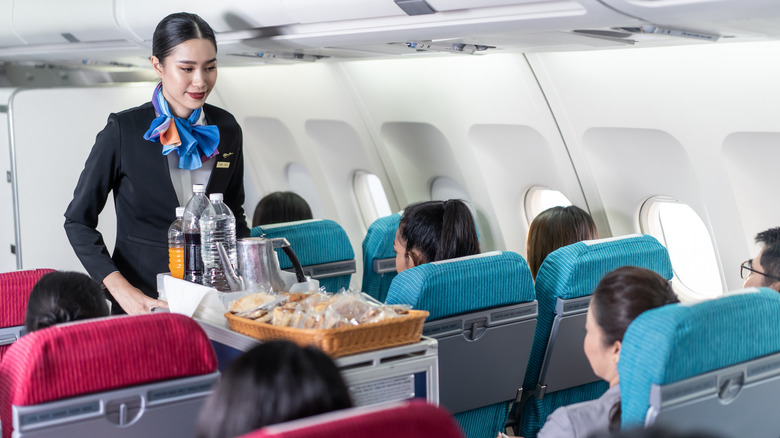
{"x":215,"y":197}
{"x":198,"y":188}
{"x":179,"y":211}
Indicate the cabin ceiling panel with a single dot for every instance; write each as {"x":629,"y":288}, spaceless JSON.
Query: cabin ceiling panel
{"x":72,"y":21}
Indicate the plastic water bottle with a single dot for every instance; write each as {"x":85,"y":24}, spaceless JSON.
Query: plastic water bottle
{"x":217,"y":224}
{"x":176,"y":245}
{"x":193,"y":261}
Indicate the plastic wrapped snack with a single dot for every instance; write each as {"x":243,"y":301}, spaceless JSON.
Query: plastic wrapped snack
{"x":350,"y":306}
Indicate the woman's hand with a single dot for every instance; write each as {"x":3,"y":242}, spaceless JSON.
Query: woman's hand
{"x":130,"y":298}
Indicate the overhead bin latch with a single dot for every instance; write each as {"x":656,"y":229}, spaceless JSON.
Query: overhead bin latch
{"x":415,"y":7}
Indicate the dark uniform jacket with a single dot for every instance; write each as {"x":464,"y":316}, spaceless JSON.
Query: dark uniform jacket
{"x":137,"y":173}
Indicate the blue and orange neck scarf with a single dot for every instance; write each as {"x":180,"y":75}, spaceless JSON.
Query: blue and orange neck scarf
{"x":192,"y":142}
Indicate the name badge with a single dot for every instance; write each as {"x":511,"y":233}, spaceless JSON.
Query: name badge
{"x":223,"y":164}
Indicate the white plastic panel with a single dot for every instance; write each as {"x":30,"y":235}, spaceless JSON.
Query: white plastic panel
{"x":49,"y":162}
{"x":7,"y":35}
{"x":751,"y":160}
{"x":317,"y":11}
{"x":7,"y":231}
{"x":725,"y":17}
{"x":479,"y":120}
{"x":44,"y":21}
{"x":140,"y":17}
{"x":679,"y":104}
{"x":301,"y":182}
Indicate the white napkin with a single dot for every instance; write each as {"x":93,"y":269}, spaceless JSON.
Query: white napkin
{"x":195,"y":300}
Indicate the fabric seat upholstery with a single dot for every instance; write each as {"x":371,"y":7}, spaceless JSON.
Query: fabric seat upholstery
{"x":15,"y":288}
{"x":93,"y":356}
{"x":411,"y":419}
{"x":467,"y":285}
{"x":378,"y":245}
{"x":690,"y":340}
{"x":573,"y":271}
{"x":315,"y":242}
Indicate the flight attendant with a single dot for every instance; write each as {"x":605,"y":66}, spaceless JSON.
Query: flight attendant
{"x":149,"y":157}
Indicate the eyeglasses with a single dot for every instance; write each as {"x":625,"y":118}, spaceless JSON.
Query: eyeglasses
{"x":748,"y":266}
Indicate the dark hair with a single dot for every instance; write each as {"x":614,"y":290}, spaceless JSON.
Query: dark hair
{"x":176,"y":29}
{"x":438,"y":230}
{"x":619,"y":298}
{"x":770,"y":255}
{"x":274,"y":382}
{"x":279,"y":207}
{"x":554,"y":228}
{"x":64,"y":296}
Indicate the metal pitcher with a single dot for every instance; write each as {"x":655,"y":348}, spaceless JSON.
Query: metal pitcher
{"x":258,"y":267}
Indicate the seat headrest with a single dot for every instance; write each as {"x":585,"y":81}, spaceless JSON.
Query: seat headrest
{"x":314,"y":241}
{"x":101,"y":354}
{"x":410,"y":419}
{"x":464,"y":284}
{"x":574,"y":270}
{"x":691,"y":339}
{"x":378,"y":243}
{"x":15,"y":288}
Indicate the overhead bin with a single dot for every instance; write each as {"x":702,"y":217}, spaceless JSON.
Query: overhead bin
{"x":7,"y":35}
{"x":60,"y":22}
{"x":501,"y":21}
{"x":140,"y":17}
{"x":725,"y":17}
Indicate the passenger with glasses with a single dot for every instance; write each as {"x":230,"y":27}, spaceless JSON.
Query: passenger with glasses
{"x":764,"y":269}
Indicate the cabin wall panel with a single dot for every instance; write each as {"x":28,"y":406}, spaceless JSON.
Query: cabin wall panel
{"x":303,"y":114}
{"x":697,"y":95}
{"x":49,"y":162}
{"x":8,"y":229}
{"x":456,"y":116}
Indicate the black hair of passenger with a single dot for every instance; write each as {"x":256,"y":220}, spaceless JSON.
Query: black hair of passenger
{"x":770,"y":255}
{"x":621,"y":296}
{"x":655,"y":432}
{"x":62,"y":297}
{"x":278,"y":207}
{"x":274,"y":382}
{"x":178,"y":28}
{"x":438,"y":230}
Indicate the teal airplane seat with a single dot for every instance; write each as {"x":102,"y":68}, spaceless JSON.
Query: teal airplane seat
{"x":558,"y":372}
{"x":379,"y":256}
{"x":321,"y":245}
{"x":483,"y":314}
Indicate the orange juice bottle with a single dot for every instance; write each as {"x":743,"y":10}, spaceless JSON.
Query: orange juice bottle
{"x":176,"y":245}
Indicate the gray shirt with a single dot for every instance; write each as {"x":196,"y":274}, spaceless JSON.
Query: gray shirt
{"x":581,"y":419}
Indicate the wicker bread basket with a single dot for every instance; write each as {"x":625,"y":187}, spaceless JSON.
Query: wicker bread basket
{"x":341,"y":341}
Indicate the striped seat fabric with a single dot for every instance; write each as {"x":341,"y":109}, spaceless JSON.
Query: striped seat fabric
{"x":315,"y":242}
{"x":689,"y":340}
{"x":573,"y":271}
{"x":411,"y":419}
{"x":97,"y":355}
{"x":378,"y":246}
{"x":15,"y":288}
{"x":468,"y":285}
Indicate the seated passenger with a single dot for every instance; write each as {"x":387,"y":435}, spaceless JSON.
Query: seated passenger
{"x":618,"y":298}
{"x":278,"y":207}
{"x":274,"y":382}
{"x":554,"y":228}
{"x":764,"y":270}
{"x":432,"y":231}
{"x":64,"y":296}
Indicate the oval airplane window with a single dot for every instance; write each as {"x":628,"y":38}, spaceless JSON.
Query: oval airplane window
{"x":677,"y":226}
{"x":371,"y":197}
{"x":302,"y":183}
{"x":538,"y":199}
